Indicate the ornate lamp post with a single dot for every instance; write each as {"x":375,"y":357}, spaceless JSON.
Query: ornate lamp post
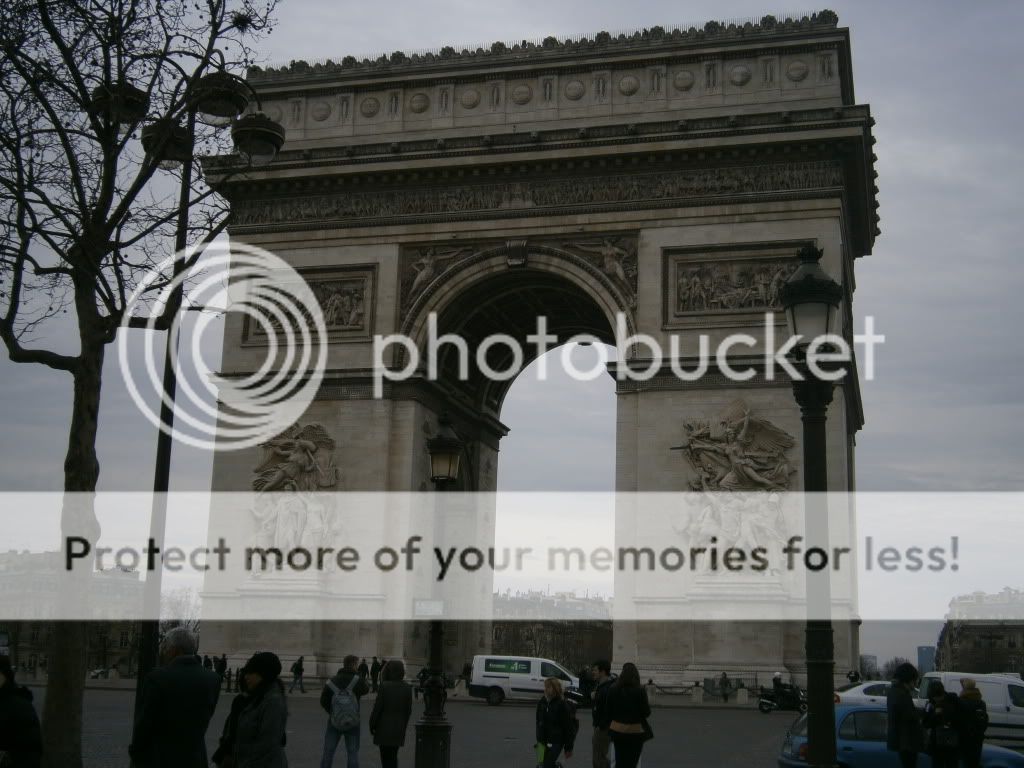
{"x":217,"y":98}
{"x":811,"y":298}
{"x":433,"y":731}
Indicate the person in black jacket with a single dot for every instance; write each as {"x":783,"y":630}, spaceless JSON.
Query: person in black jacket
{"x":973,"y":722}
{"x":628,"y":709}
{"x":904,"y":734}
{"x":599,"y":711}
{"x":178,"y":701}
{"x":556,"y":726}
{"x":391,"y":712}
{"x":20,"y":736}
{"x":942,"y":716}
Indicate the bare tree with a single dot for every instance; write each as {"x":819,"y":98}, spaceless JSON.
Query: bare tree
{"x":179,"y":608}
{"x":95,"y":97}
{"x":889,"y":668}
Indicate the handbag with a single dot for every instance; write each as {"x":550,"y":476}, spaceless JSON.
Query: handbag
{"x":648,"y":731}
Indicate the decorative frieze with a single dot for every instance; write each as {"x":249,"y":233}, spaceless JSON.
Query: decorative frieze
{"x":485,"y":199}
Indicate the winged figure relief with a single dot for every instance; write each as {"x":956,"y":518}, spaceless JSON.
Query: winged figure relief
{"x":299,"y":459}
{"x":745,"y":454}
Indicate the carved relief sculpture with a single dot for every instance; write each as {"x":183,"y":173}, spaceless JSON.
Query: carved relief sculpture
{"x":287,"y":512}
{"x":479,"y":198}
{"x":614,"y":260}
{"x":730,"y":285}
{"x":741,"y":453}
{"x":299,"y":459}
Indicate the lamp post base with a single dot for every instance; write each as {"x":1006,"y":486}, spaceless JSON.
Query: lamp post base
{"x":433,"y":742}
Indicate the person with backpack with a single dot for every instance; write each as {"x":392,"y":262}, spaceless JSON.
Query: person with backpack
{"x":391,"y":712}
{"x":556,"y":723}
{"x":340,"y":700}
{"x":298,"y":670}
{"x":972,"y":723}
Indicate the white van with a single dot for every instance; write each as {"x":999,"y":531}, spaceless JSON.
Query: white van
{"x":1003,"y":696}
{"x":497,"y":678}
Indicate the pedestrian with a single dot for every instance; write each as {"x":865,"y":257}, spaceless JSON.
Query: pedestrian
{"x":178,"y":700}
{"x":391,"y":712}
{"x":224,"y":756}
{"x":364,"y":671}
{"x":601,"y":742}
{"x":941,"y":717}
{"x":20,"y":737}
{"x":227,"y":681}
{"x":421,"y":681}
{"x":467,"y":673}
{"x":724,"y":687}
{"x":904,"y":734}
{"x":628,"y":710}
{"x":207,"y":663}
{"x":853,"y":676}
{"x":223,"y":665}
{"x":375,"y":669}
{"x":340,"y":699}
{"x":556,"y":725}
{"x":259,"y":738}
{"x":972,"y":724}
{"x":298,"y":670}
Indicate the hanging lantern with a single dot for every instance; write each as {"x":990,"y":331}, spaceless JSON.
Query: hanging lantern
{"x":169,"y":142}
{"x":257,"y":138}
{"x":220,"y":97}
{"x":121,"y":102}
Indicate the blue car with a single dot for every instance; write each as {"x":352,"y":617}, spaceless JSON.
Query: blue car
{"x":860,"y":742}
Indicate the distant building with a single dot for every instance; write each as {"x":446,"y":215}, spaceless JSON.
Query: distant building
{"x":983,"y":633}
{"x":29,"y":582}
{"x":925,"y":658}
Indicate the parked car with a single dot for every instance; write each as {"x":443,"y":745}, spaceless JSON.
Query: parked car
{"x":865,"y":692}
{"x":1004,"y":699}
{"x":860,"y":742}
{"x":496,"y":678}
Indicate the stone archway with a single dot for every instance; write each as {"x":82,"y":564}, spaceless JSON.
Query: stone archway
{"x":671,"y":177}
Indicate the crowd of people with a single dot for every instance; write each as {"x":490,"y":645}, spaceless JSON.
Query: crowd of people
{"x":180,"y":697}
{"x":952,"y":730}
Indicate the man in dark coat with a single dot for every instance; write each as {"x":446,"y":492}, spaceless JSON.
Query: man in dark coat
{"x":178,"y":701}
{"x":602,"y":739}
{"x":20,"y":737}
{"x":904,"y":734}
{"x":375,"y":669}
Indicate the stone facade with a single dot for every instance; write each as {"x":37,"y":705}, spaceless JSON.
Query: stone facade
{"x":670,"y":176}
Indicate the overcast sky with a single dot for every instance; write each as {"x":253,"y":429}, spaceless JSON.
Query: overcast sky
{"x":944,"y":284}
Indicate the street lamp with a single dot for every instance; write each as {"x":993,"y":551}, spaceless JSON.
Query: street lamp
{"x":171,"y":145}
{"x":433,"y":731}
{"x":810,"y":298}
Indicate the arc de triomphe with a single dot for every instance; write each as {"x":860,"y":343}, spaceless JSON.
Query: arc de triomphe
{"x":671,"y":176}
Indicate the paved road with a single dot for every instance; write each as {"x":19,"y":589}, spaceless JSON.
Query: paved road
{"x":483,"y":737}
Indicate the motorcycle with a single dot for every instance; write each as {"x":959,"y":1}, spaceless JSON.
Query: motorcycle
{"x":788,"y":699}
